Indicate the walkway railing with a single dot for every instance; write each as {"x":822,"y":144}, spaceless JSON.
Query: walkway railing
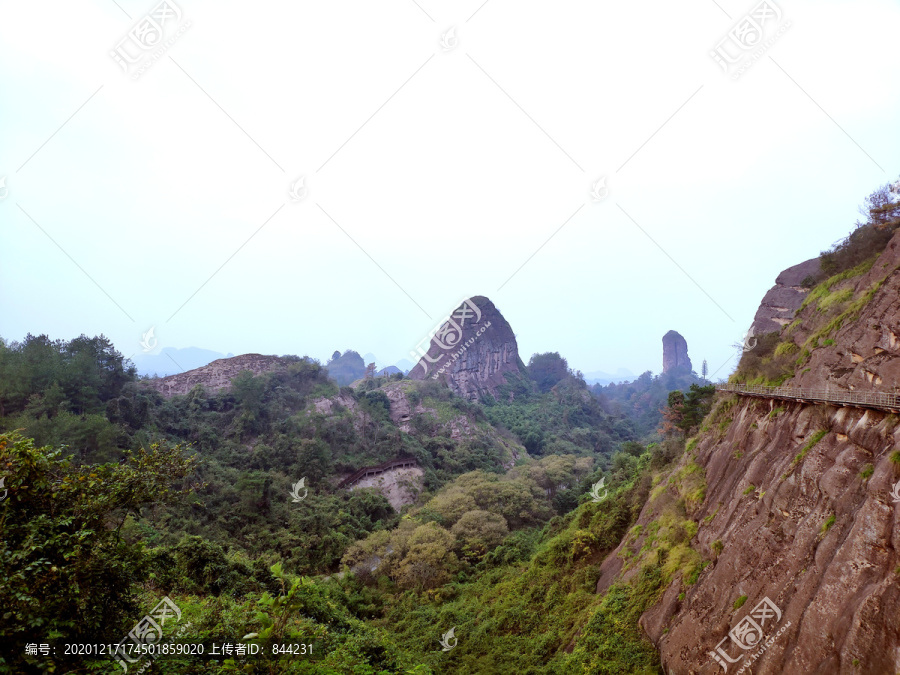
{"x":860,"y":399}
{"x":367,"y":471}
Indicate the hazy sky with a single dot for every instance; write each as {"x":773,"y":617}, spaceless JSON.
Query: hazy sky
{"x":436,"y":165}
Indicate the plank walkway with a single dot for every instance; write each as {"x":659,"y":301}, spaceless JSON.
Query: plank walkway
{"x":366,"y":471}
{"x":856,"y":399}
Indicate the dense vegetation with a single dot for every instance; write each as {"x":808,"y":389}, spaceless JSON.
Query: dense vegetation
{"x":118,"y":497}
{"x":643,"y":400}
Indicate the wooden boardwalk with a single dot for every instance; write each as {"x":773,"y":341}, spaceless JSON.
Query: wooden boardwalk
{"x":366,"y":471}
{"x":855,"y":399}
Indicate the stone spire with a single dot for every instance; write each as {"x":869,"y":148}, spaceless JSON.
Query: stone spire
{"x":675,"y":354}
{"x":471,"y":350}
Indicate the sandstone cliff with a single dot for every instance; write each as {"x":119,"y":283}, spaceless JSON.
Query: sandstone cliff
{"x":216,"y":375}
{"x":778,"y":527}
{"x":850,"y":332}
{"x":784,"y":298}
{"x":796,"y":508}
{"x":472,"y":350}
{"x":399,"y":486}
{"x":675,"y":353}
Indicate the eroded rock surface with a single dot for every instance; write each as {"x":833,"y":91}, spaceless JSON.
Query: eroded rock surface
{"x":217,"y":375}
{"x":818,"y":538}
{"x":400,"y":486}
{"x":472,"y":351}
{"x":782,"y":301}
{"x":675,"y":353}
{"x":864,"y":354}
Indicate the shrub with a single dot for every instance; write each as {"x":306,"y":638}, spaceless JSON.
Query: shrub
{"x":786,"y":349}
{"x":806,"y":448}
{"x":862,"y":244}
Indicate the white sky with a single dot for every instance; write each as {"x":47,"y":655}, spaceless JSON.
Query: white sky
{"x":432,"y":175}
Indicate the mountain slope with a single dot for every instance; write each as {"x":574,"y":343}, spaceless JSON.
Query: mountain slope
{"x":795,"y":525}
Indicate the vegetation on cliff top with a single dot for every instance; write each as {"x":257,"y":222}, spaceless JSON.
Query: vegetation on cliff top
{"x":832,"y":302}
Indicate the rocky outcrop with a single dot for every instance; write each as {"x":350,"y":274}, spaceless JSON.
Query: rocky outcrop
{"x":797,"y":510}
{"x":457,"y":426}
{"x":781,"y":302}
{"x":472,"y":350}
{"x":675,"y":353}
{"x":863,"y":354}
{"x":400,"y":486}
{"x":216,"y":375}
{"x":780,"y":521}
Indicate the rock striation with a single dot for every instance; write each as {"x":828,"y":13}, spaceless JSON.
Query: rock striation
{"x":864,"y":353}
{"x":782,"y":301}
{"x":217,"y":375}
{"x":815,"y":536}
{"x":472,"y":350}
{"x":788,"y":509}
{"x":675,"y":353}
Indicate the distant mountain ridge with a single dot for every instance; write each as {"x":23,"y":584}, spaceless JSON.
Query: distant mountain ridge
{"x":217,"y":375}
{"x":171,"y":361}
{"x":602,"y":377}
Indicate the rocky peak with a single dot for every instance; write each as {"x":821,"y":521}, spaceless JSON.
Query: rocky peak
{"x":215,"y":376}
{"x":782,"y":301}
{"x":471,"y":350}
{"x":863,"y":354}
{"x":675,"y":353}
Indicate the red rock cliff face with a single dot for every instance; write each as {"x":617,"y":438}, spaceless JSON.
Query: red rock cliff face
{"x":781,"y":302}
{"x":675,"y":353}
{"x":863,"y":354}
{"x":472,"y":351}
{"x":792,"y":505}
{"x":819,"y":537}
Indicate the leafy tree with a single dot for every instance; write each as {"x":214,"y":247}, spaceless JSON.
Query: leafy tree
{"x":347,"y":368}
{"x":547,"y":370}
{"x":480,"y":532}
{"x":685,"y":411}
{"x":429,"y":559}
{"x":65,"y":571}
